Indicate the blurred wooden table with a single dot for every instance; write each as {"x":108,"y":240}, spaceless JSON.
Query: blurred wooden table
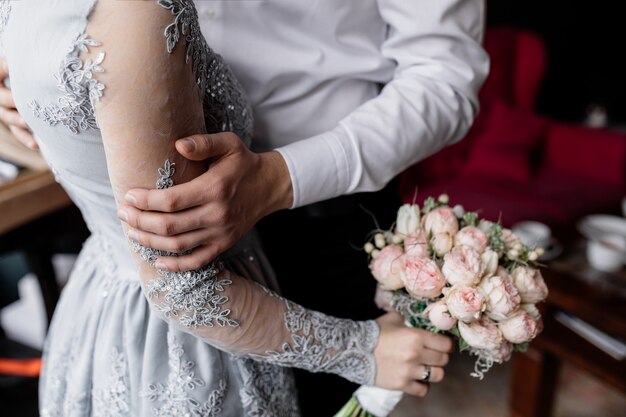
{"x":596,"y":298}
{"x":32,"y":195}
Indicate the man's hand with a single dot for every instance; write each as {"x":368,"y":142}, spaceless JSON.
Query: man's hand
{"x":210,"y":213}
{"x":9,"y":115}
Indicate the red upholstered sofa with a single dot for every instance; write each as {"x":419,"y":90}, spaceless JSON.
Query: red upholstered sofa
{"x":516,"y":165}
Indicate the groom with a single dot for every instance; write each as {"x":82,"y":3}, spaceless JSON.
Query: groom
{"x":346,"y":95}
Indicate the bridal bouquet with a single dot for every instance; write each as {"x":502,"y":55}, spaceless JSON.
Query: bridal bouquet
{"x":449,"y":272}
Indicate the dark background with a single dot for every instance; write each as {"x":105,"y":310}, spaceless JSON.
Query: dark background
{"x":586,"y":43}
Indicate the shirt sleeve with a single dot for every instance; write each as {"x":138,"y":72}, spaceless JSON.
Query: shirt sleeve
{"x":431,"y":102}
{"x":144,"y":60}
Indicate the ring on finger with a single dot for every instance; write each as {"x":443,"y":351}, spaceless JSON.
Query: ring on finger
{"x":426,"y":374}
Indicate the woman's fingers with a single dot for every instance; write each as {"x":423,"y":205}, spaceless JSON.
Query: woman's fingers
{"x":416,"y":388}
{"x":438,"y":342}
{"x":433,"y":357}
{"x":436,"y":373}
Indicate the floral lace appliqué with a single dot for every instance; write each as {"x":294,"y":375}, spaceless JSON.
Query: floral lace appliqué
{"x":322,"y":343}
{"x":193,"y":297}
{"x":75,"y":109}
{"x":259,"y":394}
{"x":112,"y":400}
{"x":226,"y":108}
{"x":174,"y":398}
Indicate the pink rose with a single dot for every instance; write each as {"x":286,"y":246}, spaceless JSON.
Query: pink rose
{"x":387,"y":267}
{"x":502,"y":296}
{"x":473,"y":237}
{"x":462,"y":266}
{"x":441,"y":243}
{"x":530,"y":284}
{"x":465,"y":303}
{"x":502,"y":353}
{"x":383,"y":299}
{"x":519,"y":328}
{"x":481,"y":334}
{"x":441,"y":220}
{"x":422,"y":277}
{"x":535,"y":314}
{"x":408,"y":219}
{"x":439,"y":315}
{"x":416,"y":244}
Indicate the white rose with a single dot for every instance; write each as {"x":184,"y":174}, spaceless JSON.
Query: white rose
{"x":530,"y":284}
{"x":408,"y":219}
{"x":489,"y":263}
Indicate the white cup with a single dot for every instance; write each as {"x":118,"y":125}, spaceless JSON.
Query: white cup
{"x":533,"y":234}
{"x":607,"y":254}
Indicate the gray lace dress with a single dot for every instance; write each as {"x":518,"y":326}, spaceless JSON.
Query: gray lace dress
{"x":106,"y":87}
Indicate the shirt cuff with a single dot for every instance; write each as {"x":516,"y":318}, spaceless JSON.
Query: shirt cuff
{"x":319,"y":167}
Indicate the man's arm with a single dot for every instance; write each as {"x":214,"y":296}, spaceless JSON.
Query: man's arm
{"x":431,"y":102}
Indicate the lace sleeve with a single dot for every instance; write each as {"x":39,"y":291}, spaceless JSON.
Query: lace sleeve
{"x":155,"y":79}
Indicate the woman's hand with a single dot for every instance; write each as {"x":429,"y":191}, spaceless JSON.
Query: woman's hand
{"x":403,"y":354}
{"x":9,"y":115}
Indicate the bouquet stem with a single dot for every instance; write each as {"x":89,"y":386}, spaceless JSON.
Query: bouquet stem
{"x":353,"y":409}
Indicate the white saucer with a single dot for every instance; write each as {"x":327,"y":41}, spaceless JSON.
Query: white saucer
{"x":596,"y":226}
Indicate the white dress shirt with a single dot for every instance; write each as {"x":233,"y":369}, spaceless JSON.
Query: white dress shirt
{"x":352,"y":92}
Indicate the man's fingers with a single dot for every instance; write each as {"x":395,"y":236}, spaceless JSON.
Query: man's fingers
{"x":164,"y":224}
{"x":198,"y":258}
{"x":438,"y":342}
{"x":172,"y":244}
{"x":24,"y":136}
{"x":4,"y":69}
{"x":202,"y":147}
{"x":180,"y":197}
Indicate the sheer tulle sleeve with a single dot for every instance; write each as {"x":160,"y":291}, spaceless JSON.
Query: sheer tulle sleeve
{"x":153,"y":87}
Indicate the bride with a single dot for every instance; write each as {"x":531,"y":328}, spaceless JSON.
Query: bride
{"x":107,"y":86}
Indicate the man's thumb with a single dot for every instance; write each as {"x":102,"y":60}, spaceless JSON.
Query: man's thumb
{"x":201,"y":147}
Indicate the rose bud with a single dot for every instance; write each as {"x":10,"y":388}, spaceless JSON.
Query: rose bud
{"x":502,"y":296}
{"x":441,"y":220}
{"x":387,"y":267}
{"x":416,"y":244}
{"x":408,"y":219}
{"x":422,"y":277}
{"x":530,"y":284}
{"x":473,"y":237}
{"x":462,"y":266}
{"x":465,"y":303}
{"x":481,"y":334}
{"x":489,"y":263}
{"x":383,"y":299}
{"x":502,"y":353}
{"x":439,"y":315}
{"x":442,"y":243}
{"x":519,"y":328}
{"x":511,"y":241}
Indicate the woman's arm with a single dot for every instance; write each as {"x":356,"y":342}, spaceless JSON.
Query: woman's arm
{"x":150,"y":98}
